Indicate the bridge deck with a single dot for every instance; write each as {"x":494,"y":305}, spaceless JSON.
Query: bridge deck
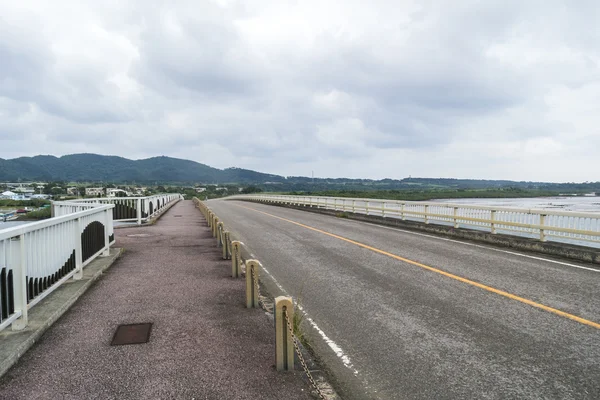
{"x":204,"y":343}
{"x":396,"y":314}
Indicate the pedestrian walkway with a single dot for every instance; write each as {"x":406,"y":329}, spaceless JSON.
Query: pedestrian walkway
{"x":204,"y":343}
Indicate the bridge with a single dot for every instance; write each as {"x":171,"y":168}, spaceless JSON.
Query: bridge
{"x":398,"y":299}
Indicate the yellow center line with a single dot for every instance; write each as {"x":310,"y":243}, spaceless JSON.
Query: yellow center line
{"x":441,"y":272}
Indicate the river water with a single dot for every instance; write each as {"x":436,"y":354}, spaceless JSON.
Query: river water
{"x":563,"y":203}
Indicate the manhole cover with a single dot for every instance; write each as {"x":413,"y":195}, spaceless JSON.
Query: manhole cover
{"x":141,"y":235}
{"x":177,"y":216}
{"x":132,"y":334}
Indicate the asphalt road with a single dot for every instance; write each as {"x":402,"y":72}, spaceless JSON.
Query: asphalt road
{"x":408,"y":315}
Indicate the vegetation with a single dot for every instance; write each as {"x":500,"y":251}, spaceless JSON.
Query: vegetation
{"x":23,"y":203}
{"x":42,"y":213}
{"x":107,"y":171}
{"x":99,"y":168}
{"x":251,"y":189}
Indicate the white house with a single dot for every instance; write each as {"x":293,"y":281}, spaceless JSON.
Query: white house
{"x":94,"y":191}
{"x":13,"y":196}
{"x":8,"y":195}
{"x":115,"y":193}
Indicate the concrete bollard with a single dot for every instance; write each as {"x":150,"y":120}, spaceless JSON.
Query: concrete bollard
{"x":236,"y":258}
{"x":284,"y":346}
{"x":226,"y":245}
{"x":214,"y":225}
{"x":252,"y":271}
{"x":209,"y":218}
{"x":220,"y":230}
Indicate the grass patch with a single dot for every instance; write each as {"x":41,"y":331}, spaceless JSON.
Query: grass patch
{"x":342,"y":215}
{"x":43,"y":213}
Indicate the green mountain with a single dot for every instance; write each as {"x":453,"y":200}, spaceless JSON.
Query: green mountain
{"x":96,"y":168}
{"x":168,"y":170}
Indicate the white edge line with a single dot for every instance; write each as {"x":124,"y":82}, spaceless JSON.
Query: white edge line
{"x":332,"y":345}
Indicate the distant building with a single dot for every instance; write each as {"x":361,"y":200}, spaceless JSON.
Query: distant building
{"x":94,"y":191}
{"x":117,"y":193}
{"x":25,"y":190}
{"x":8,"y":195}
{"x":200,"y":189}
{"x":72,"y":191}
{"x":219,"y":189}
{"x":41,"y":196}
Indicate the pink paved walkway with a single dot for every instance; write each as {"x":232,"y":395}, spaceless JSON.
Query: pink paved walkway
{"x":204,"y":343}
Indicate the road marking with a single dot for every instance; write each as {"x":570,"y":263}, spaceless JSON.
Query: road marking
{"x":332,"y":345}
{"x":480,"y":246}
{"x":441,"y":272}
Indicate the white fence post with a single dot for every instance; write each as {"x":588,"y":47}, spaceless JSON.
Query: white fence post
{"x":78,"y":250}
{"x":542,"y":230}
{"x":107,"y":223}
{"x":455,"y":217}
{"x":20,"y":284}
{"x":426,"y":214}
{"x":139,"y":211}
{"x":493,"y":220}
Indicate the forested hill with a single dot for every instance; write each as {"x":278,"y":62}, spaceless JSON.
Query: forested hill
{"x":99,"y":168}
{"x":167,"y":170}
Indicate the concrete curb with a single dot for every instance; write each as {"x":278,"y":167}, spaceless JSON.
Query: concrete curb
{"x":556,"y":249}
{"x":14,"y":344}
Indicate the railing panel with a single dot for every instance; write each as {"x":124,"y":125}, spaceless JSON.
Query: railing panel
{"x":572,"y":227}
{"x":37,"y":258}
{"x":127,"y":209}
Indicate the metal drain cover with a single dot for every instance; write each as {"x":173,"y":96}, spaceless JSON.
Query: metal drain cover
{"x":132,"y":334}
{"x":177,"y":216}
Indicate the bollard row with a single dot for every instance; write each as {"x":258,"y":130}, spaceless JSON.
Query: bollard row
{"x":286,"y":342}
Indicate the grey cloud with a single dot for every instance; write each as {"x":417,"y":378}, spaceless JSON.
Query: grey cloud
{"x":284,"y":88}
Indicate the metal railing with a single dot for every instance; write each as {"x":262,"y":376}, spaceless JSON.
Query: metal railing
{"x":541,"y":224}
{"x":38,"y":257}
{"x":127,"y":209}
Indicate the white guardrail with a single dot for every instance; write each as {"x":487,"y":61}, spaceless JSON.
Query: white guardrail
{"x":38,"y":257}
{"x":564,"y":226}
{"x":127,"y":209}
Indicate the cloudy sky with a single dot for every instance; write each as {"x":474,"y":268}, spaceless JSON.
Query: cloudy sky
{"x":496,"y":89}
